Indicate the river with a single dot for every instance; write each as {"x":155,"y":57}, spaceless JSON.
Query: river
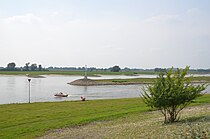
{"x":15,"y":89}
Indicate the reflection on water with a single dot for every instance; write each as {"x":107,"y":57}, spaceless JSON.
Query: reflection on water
{"x":85,"y":89}
{"x":15,"y":89}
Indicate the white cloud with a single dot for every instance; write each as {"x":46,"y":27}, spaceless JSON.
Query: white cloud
{"x":193,"y":11}
{"x":156,"y":41}
{"x":167,"y":18}
{"x":55,"y":13}
{"x":28,"y":18}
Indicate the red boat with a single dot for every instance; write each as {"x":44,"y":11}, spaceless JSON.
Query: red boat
{"x":82,"y":98}
{"x":61,"y":95}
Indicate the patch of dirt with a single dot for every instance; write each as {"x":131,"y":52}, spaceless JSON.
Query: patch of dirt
{"x":145,"y":125}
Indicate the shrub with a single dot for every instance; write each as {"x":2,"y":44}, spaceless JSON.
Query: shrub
{"x":172,"y":92}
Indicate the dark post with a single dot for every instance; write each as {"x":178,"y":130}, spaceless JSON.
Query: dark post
{"x":29,"y":80}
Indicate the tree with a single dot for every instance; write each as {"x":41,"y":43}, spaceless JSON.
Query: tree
{"x":27,"y":66}
{"x":115,"y":69}
{"x":172,"y":92}
{"x":11,"y":66}
{"x":33,"y":67}
{"x":160,"y":70}
{"x":40,"y":67}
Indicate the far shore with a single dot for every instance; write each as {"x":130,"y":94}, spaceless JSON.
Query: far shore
{"x":89,"y":74}
{"x":80,"y":82}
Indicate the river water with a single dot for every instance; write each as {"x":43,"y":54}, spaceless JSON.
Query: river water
{"x":15,"y":89}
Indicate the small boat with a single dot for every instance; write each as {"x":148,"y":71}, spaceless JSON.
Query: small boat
{"x":61,"y":95}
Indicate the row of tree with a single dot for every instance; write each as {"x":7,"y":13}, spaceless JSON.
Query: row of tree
{"x":33,"y":67}
{"x":112,"y":69}
{"x":117,"y":69}
{"x":190,"y":70}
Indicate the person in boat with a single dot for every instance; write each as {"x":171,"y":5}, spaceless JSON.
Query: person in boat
{"x":61,"y":94}
{"x":82,"y":98}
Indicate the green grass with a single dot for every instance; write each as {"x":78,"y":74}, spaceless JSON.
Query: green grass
{"x":202,"y":78}
{"x":41,"y":72}
{"x":133,"y":80}
{"x":93,"y":73}
{"x":33,"y":120}
{"x":149,"y":80}
{"x":90,"y":73}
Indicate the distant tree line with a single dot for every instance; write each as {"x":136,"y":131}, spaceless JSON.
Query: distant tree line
{"x":200,"y":70}
{"x":160,"y":70}
{"x":27,"y":67}
{"x":34,"y":67}
{"x":38,"y":67}
{"x":190,"y":70}
{"x":112,"y":69}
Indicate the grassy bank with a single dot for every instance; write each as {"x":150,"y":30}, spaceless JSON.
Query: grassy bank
{"x":194,"y":124}
{"x":33,"y":120}
{"x":92,"y":73}
{"x":200,"y":79}
{"x":41,"y":72}
{"x":133,"y":80}
{"x":38,"y":74}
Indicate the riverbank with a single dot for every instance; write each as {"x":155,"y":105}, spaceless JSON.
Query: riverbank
{"x":194,"y":123}
{"x":89,"y":73}
{"x":37,"y":119}
{"x":90,"y":82}
{"x":200,"y":78}
{"x":81,"y":73}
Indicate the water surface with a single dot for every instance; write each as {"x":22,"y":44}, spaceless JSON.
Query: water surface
{"x":15,"y":89}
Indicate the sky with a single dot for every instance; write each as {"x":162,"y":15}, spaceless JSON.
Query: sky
{"x":104,"y":33}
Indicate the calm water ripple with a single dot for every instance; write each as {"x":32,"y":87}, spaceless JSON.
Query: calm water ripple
{"x":15,"y":89}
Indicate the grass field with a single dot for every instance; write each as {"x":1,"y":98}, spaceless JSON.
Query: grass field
{"x":93,"y":73}
{"x":201,"y":79}
{"x":90,"y":73}
{"x":33,"y":120}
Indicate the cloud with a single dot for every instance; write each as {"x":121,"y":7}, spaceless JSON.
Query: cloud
{"x":193,"y":11}
{"x":55,"y":13}
{"x":160,"y":40}
{"x":28,"y":18}
{"x":166,"y":18}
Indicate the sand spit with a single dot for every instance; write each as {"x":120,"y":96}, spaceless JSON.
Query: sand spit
{"x":90,"y":82}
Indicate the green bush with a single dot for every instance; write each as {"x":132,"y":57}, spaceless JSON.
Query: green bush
{"x":172,"y":92}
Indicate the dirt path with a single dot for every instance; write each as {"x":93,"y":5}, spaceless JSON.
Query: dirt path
{"x":143,"y":125}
